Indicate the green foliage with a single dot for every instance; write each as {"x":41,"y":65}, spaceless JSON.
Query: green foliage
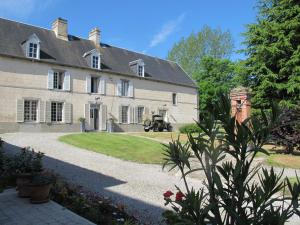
{"x":27,"y":161}
{"x":189,"y":128}
{"x":188,"y":52}
{"x":234,"y":191}
{"x":273,"y":48}
{"x":215,"y":76}
{"x":287,"y":131}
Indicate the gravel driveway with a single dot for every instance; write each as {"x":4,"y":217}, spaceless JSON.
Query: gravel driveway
{"x":137,"y":186}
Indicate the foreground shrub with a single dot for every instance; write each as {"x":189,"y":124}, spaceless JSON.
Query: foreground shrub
{"x":234,"y":191}
{"x":189,"y":128}
{"x":286,"y":132}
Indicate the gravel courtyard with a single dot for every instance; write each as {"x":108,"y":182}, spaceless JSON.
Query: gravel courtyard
{"x":137,"y":186}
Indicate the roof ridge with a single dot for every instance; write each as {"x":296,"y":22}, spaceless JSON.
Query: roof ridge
{"x":27,"y":24}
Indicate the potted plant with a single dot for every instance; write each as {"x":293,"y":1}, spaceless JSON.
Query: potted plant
{"x":40,"y":186}
{"x":26,"y":164}
{"x":82,"y":124}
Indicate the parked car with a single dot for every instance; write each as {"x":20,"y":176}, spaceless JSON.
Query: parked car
{"x":157,"y":124}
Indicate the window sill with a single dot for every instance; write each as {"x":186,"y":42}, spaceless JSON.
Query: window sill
{"x":59,"y":90}
{"x":125,"y":96}
{"x":95,"y":94}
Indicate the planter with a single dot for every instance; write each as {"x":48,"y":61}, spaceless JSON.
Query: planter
{"x":39,"y":193}
{"x":82,"y":127}
{"x":22,"y":181}
{"x":40,"y":188}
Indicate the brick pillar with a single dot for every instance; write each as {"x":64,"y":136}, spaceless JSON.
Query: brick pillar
{"x":240,"y":103}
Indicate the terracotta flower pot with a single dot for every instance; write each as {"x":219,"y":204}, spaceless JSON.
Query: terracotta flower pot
{"x":22,"y":181}
{"x":39,"y":193}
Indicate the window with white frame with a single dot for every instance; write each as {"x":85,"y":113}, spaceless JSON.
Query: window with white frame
{"x":57,"y":111}
{"x":124,"y":114}
{"x":32,"y":46}
{"x":140,"y":114}
{"x":95,"y":61}
{"x":124,"y":87}
{"x":140,"y":70}
{"x":94,"y":84}
{"x":30,"y":110}
{"x":33,"y":50}
{"x":58,"y":80}
{"x":174,"y":99}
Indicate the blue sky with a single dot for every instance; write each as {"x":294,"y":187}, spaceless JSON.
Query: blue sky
{"x":151,"y":27}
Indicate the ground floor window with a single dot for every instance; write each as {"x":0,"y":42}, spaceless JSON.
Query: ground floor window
{"x":140,"y":114}
{"x":30,"y":110}
{"x":163,"y":113}
{"x":56,"y":111}
{"x":124,"y":114}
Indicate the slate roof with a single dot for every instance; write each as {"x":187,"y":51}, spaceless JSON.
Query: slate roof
{"x":70,"y":53}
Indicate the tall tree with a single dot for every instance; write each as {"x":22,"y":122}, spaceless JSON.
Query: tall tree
{"x":273,"y":48}
{"x":216,"y":76}
{"x":188,"y":52}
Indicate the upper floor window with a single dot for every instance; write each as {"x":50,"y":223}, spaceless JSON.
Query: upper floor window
{"x":59,"y":80}
{"x":174,"y":99}
{"x":32,"y":51}
{"x":33,"y":47}
{"x":141,"y":71}
{"x":138,"y":67}
{"x":96,"y":61}
{"x":124,"y":87}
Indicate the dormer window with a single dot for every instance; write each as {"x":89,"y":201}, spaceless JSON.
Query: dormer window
{"x":32,"y":46}
{"x":93,"y":59}
{"x":32,"y":51}
{"x":141,"y":71}
{"x":138,"y":67}
{"x":96,"y":61}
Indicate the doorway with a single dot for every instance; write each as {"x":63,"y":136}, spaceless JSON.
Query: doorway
{"x":94,"y":117}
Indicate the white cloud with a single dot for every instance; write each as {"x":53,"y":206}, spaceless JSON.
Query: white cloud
{"x":22,"y":8}
{"x":166,"y":30}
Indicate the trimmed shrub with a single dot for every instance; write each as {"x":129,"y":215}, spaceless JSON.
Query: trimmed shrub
{"x":190,"y":128}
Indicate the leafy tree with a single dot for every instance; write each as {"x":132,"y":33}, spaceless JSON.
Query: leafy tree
{"x":188,"y":52}
{"x":214,"y":77}
{"x":273,"y":48}
{"x":234,"y":191}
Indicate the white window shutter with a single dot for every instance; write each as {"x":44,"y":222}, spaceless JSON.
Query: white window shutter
{"x":119,"y":87}
{"x":120,"y":114}
{"x":131,"y":115}
{"x":41,"y":112}
{"x":103,"y":118}
{"x":136,"y":119}
{"x":130,"y":89}
{"x":102,"y":86}
{"x":48,"y":112}
{"x":50,"y":79}
{"x":68,"y":112}
{"x":87,"y":114}
{"x":20,"y":110}
{"x":88,"y":83}
{"x":67,"y":81}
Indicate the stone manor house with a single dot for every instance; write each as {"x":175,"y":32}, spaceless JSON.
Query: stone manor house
{"x":50,"y":78}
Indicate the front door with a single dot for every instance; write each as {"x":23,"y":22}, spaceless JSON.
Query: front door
{"x":94,"y":117}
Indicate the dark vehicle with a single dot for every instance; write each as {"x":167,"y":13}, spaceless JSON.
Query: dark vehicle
{"x":157,"y":124}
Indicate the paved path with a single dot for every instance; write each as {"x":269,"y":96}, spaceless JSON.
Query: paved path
{"x":137,"y":186}
{"x":18,"y":211}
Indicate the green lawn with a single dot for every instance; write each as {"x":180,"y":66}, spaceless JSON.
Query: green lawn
{"x":131,"y":148}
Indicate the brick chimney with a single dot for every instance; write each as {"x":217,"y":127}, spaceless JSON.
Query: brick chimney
{"x":60,"y":28}
{"x":240,"y":103}
{"x":94,"y":36}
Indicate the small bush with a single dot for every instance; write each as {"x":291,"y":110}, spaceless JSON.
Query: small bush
{"x":190,"y":128}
